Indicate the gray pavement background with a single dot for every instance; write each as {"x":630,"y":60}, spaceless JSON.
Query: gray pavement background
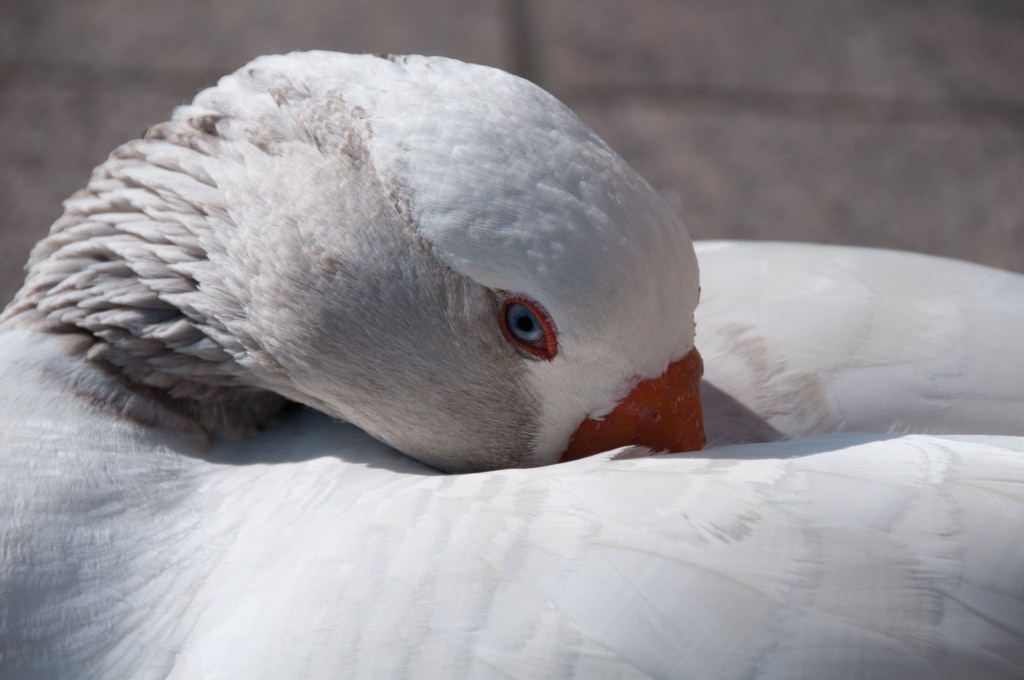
{"x":866,"y":122}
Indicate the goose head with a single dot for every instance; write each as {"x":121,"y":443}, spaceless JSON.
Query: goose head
{"x":439,"y":253}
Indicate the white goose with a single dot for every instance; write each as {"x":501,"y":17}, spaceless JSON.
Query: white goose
{"x":444,"y":256}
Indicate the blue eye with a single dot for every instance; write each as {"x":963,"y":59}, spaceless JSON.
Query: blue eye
{"x":523,"y":324}
{"x":527,"y":326}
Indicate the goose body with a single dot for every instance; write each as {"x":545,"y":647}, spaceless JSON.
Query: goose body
{"x":139,"y":542}
{"x":815,"y":339}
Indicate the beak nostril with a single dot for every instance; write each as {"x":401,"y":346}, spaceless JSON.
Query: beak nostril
{"x":656,"y":416}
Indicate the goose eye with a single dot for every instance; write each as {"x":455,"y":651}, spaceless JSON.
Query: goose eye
{"x":528,"y":327}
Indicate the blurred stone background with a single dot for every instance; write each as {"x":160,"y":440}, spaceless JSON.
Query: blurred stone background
{"x":867,"y":122}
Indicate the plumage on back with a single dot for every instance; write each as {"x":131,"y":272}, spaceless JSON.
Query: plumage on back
{"x":316,"y":551}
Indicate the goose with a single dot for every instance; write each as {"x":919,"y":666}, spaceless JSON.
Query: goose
{"x":285,"y":388}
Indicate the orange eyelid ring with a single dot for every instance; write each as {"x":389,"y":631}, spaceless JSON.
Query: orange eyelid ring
{"x":663,"y":414}
{"x":546,"y":347}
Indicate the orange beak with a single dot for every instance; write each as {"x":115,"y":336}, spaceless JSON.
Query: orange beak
{"x":663,"y":414}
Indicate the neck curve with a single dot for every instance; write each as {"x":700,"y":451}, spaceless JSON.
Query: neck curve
{"x":116,"y":280}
